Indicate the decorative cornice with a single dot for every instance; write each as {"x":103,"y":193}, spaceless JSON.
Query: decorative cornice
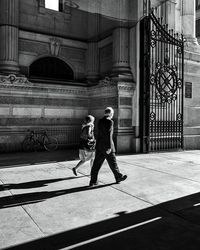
{"x":13,"y":79}
{"x":107,"y":85}
{"x":126,"y":86}
{"x":22,"y":84}
{"x":107,"y":81}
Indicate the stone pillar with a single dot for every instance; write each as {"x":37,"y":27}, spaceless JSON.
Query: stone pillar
{"x":170,"y":14}
{"x":92,"y":63}
{"x":9,"y":33}
{"x":121,"y":68}
{"x":41,"y":3}
{"x":188,"y":21}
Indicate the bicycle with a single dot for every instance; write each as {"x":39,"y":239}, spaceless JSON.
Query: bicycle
{"x":39,"y":140}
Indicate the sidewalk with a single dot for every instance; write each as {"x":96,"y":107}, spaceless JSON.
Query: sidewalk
{"x":44,"y":206}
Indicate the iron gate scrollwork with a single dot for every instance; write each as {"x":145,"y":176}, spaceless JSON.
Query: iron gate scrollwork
{"x":161,"y":86}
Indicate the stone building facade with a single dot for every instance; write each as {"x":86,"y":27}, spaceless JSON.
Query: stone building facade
{"x":58,"y":66}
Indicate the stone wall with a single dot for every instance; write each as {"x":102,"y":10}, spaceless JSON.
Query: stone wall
{"x":105,"y":57}
{"x":33,"y":47}
{"x":24,"y":105}
{"x":87,"y":36}
{"x":118,"y":95}
{"x":60,"y":110}
{"x":191,"y":98}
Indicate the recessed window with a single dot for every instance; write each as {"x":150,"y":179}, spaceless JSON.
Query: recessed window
{"x":52,"y":4}
{"x":50,"y":68}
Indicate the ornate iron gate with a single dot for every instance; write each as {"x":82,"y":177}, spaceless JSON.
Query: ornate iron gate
{"x":161,"y":86}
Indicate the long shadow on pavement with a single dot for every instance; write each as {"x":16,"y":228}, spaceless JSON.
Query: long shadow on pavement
{"x":34,"y":184}
{"x":35,"y":197}
{"x":31,"y":158}
{"x":172,"y":225}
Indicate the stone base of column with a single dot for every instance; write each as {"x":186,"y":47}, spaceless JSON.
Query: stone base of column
{"x":124,"y":131}
{"x":191,"y":40}
{"x":92,"y":79}
{"x":9,"y":68}
{"x":122,"y":73}
{"x":124,"y":140}
{"x":192,"y":44}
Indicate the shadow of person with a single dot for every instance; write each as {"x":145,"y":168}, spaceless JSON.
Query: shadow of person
{"x":35,"y":197}
{"x":153,"y":228}
{"x":34,"y":184}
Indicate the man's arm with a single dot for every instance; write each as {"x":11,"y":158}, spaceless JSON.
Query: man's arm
{"x":110,"y":137}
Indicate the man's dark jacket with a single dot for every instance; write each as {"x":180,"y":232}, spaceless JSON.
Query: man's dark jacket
{"x":105,"y":135}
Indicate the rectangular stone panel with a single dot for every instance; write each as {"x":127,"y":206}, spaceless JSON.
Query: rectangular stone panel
{"x":4,"y":110}
{"x":31,"y":46}
{"x":27,"y":111}
{"x":125,"y":113}
{"x":105,"y":58}
{"x":126,"y":101}
{"x":106,"y":52}
{"x":70,"y":113}
{"x":72,"y":53}
{"x":125,"y":123}
{"x":43,"y":101}
{"x":103,"y":102}
{"x":39,"y":121}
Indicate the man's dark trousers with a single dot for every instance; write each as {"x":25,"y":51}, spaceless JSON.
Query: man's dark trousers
{"x":98,"y":161}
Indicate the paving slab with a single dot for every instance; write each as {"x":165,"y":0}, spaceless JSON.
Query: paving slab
{"x":44,"y":206}
{"x":16,"y":226}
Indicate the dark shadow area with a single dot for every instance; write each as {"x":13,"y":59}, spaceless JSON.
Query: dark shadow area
{"x":31,"y":158}
{"x":35,"y":197}
{"x":34,"y":184}
{"x":161,"y":227}
{"x":50,"y":68}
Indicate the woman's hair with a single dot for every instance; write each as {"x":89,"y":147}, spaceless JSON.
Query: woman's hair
{"x":89,"y":118}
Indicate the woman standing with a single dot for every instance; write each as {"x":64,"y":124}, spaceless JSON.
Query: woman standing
{"x":87,"y":143}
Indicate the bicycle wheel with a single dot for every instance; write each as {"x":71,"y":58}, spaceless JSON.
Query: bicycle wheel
{"x":28,"y":144}
{"x":50,"y":143}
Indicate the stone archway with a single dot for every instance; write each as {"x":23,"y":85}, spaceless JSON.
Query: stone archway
{"x":50,"y":68}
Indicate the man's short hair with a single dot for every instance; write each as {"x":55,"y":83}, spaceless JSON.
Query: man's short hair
{"x":108,"y":111}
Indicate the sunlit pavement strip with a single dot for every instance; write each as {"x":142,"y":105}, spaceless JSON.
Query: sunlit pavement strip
{"x":54,"y":200}
{"x":111,"y":234}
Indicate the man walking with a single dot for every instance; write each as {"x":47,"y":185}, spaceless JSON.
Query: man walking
{"x":105,"y":148}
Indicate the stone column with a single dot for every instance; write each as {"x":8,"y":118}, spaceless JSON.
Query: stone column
{"x":188,"y":21}
{"x":121,"y":68}
{"x":170,"y":14}
{"x":9,"y":33}
{"x":41,"y":3}
{"x":92,"y":63}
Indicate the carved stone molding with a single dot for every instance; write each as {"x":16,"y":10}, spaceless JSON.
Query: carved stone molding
{"x":55,"y":46}
{"x":107,"y":81}
{"x":106,"y":85}
{"x":13,"y":79}
{"x":126,"y":86}
{"x":22,"y":84}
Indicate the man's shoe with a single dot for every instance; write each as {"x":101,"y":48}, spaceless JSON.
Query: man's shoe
{"x":74,"y":171}
{"x":92,"y":184}
{"x":122,"y":178}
